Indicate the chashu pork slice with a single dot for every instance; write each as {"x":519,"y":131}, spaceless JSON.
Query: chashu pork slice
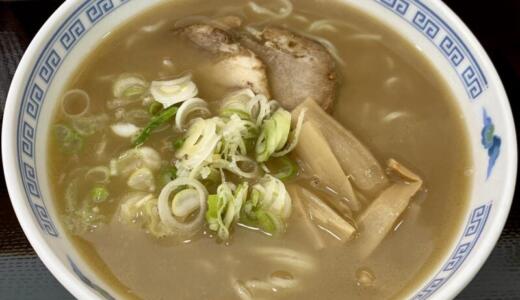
{"x":299,"y":68}
{"x":235,"y":66}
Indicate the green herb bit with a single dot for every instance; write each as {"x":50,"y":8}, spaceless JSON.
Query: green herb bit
{"x":99,"y":194}
{"x":288,"y":168}
{"x":177,"y":143}
{"x":269,"y":222}
{"x":86,"y":218}
{"x":134,"y":91}
{"x":274,"y":135}
{"x":227,"y":113}
{"x":156,"y":121}
{"x":224,"y":208}
{"x":155,"y":108}
{"x":167,"y":174}
{"x":69,"y":140}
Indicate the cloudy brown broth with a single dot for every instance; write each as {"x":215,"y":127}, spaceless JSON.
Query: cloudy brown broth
{"x":389,"y":96}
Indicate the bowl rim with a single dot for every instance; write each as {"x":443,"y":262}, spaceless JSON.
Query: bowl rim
{"x":495,"y":227}
{"x":79,"y":290}
{"x":65,"y":276}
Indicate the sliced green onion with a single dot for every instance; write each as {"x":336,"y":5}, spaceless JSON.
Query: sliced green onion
{"x":167,"y":174}
{"x":251,"y":205}
{"x":237,"y":103}
{"x":75,"y":103}
{"x":135,"y":90}
{"x":129,"y":86}
{"x":155,"y":108}
{"x":283,"y":126}
{"x":71,"y":195}
{"x":86,"y":218}
{"x":88,"y":125}
{"x":153,"y":223}
{"x":125,"y":130}
{"x":274,"y":135}
{"x":177,"y":143}
{"x":201,"y":140}
{"x":267,"y":141}
{"x":159,"y":119}
{"x":133,"y":159}
{"x":226,"y":113}
{"x":185,"y":203}
{"x":142,"y":179}
{"x":171,"y":92}
{"x":69,"y":140}
{"x":182,"y":227}
{"x":287,"y":168}
{"x":140,"y":117}
{"x":224,"y":208}
{"x":213,"y":212}
{"x":99,"y":194}
{"x":141,"y":209}
{"x":269,"y":222}
{"x":188,"y":110}
{"x":211,"y":179}
{"x":294,"y":135}
{"x":268,"y":206}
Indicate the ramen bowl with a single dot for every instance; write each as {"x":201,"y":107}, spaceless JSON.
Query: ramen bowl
{"x":78,"y":26}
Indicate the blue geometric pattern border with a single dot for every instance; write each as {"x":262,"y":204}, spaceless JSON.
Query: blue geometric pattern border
{"x":89,"y":282}
{"x":474,"y":227}
{"x":445,"y":39}
{"x":48,"y":63}
{"x":92,"y":11}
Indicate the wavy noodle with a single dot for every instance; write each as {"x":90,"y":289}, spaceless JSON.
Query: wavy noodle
{"x":215,"y":22}
{"x":271,"y":15}
{"x":241,"y":290}
{"x":230,"y":10}
{"x":331,"y":25}
{"x":367,"y":37}
{"x":283,"y":12}
{"x":390,"y":62}
{"x":287,"y":257}
{"x":283,"y":279}
{"x":394,"y":116}
{"x":300,"y":18}
{"x":327,"y":44}
{"x":153,"y":27}
{"x":190,"y":20}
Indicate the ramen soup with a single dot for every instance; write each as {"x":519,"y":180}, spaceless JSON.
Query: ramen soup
{"x":259,"y":150}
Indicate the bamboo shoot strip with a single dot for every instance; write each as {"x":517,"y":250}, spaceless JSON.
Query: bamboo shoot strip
{"x":314,"y":149}
{"x":303,"y":216}
{"x":379,"y":218}
{"x":325,"y":217}
{"x":354,"y":158}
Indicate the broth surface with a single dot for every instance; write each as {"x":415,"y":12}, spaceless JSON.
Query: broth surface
{"x":390,"y":97}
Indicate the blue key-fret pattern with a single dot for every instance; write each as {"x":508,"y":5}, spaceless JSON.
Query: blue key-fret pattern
{"x":426,"y":25}
{"x":473,"y":230}
{"x":55,"y":52}
{"x":90,"y":12}
{"x":442,"y":35}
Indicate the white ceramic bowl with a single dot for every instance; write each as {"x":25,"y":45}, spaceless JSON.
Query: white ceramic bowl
{"x":76,"y":28}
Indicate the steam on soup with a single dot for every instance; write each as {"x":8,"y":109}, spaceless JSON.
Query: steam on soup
{"x":259,"y":150}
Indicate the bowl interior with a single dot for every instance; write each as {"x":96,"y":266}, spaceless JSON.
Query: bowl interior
{"x":79,"y":25}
